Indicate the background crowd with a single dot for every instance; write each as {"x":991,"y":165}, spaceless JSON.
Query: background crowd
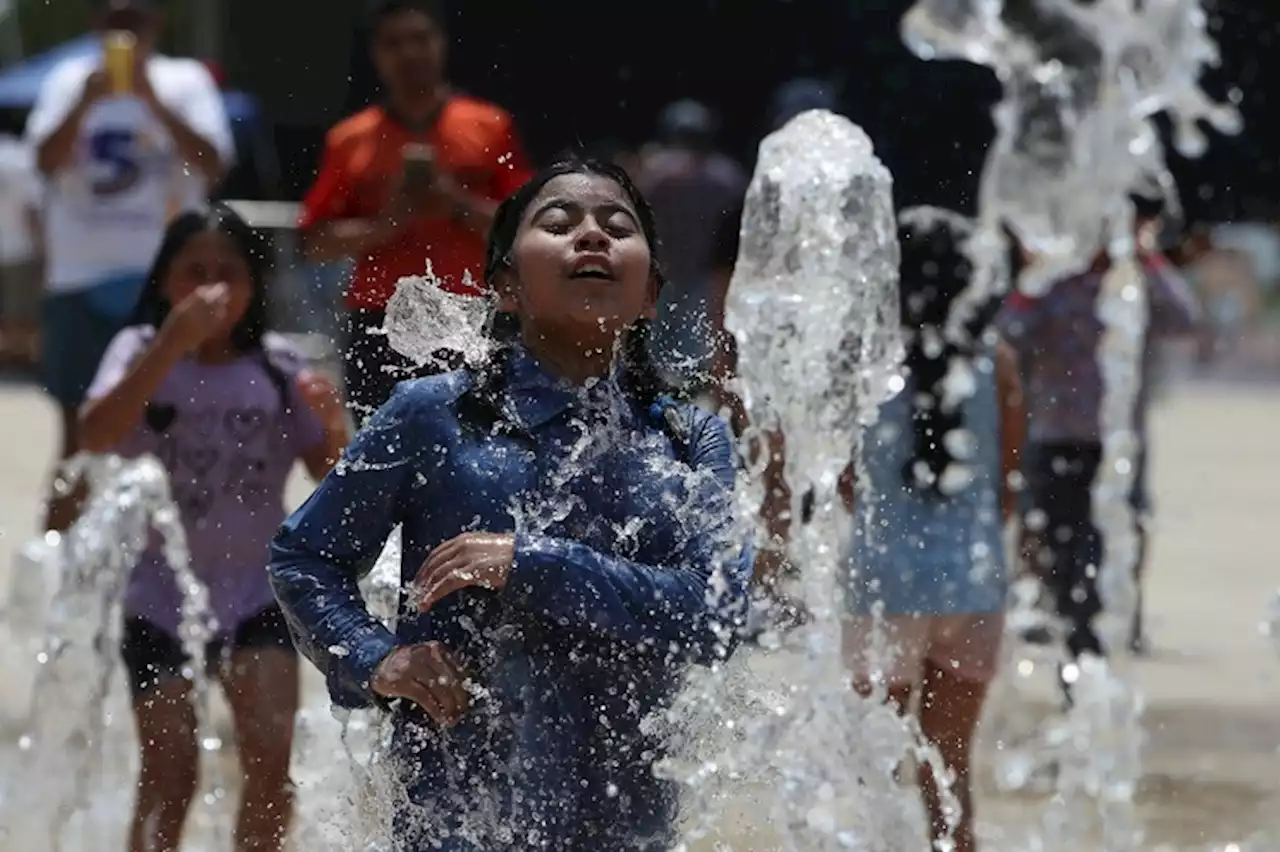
{"x":97,"y":234}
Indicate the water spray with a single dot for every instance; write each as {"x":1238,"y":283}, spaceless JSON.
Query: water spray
{"x":1075,"y":135}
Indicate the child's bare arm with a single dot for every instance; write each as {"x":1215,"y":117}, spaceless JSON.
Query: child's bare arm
{"x":124,"y":386}
{"x":321,"y":396}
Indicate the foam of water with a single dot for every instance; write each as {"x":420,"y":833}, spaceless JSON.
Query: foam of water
{"x":1074,"y":137}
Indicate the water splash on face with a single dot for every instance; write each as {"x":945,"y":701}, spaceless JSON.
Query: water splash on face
{"x":1075,"y":137}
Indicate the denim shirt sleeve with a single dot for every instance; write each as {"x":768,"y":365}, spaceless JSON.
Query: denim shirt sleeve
{"x":692,"y":607}
{"x":320,"y":553}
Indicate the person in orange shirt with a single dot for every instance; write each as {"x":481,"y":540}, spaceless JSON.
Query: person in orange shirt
{"x":411,"y":182}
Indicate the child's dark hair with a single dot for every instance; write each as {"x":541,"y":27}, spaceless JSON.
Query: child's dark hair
{"x":481,"y":404}
{"x":246,"y":337}
{"x":934,"y":272}
{"x":381,"y":10}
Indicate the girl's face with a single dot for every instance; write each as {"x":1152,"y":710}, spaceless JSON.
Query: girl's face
{"x":211,"y":257}
{"x":581,"y":263}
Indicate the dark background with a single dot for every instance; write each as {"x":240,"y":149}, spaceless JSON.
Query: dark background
{"x":579,"y":72}
{"x":575,"y":72}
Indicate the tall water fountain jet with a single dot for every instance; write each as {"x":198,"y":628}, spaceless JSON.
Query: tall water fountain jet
{"x":1075,"y":135}
{"x":64,"y":790}
{"x":814,"y":307}
{"x":71,"y":771}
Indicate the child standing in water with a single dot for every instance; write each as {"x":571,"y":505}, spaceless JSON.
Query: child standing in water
{"x":520,"y":682}
{"x":930,"y":553}
{"x":227,"y":408}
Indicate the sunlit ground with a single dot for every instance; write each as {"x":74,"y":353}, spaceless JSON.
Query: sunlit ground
{"x":1212,"y":683}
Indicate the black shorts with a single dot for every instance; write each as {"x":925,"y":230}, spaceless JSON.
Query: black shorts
{"x":372,"y":368}
{"x":1059,"y":483}
{"x":152,"y":655}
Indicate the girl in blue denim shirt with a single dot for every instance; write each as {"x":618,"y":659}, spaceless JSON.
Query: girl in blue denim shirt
{"x":571,"y":534}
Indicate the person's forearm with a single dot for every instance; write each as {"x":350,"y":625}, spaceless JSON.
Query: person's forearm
{"x":193,"y":148}
{"x":56,"y":150}
{"x":329,"y":620}
{"x":354,"y":238}
{"x":327,"y":454}
{"x":681,"y":608}
{"x":105,"y":422}
{"x":775,"y":512}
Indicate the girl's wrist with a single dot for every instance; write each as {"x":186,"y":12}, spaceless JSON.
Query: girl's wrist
{"x":168,"y":345}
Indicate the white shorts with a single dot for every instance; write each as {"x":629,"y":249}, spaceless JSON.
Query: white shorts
{"x":896,"y":649}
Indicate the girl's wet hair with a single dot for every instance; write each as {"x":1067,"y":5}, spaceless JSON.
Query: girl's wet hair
{"x":934,"y":272}
{"x":246,"y":337}
{"x":482,"y":403}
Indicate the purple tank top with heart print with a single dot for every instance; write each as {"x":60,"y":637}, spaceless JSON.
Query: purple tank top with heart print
{"x":229,"y":435}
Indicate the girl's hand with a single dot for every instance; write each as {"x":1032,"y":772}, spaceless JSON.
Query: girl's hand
{"x":478,"y":559}
{"x":196,"y":318}
{"x":321,"y":396}
{"x":428,"y":676}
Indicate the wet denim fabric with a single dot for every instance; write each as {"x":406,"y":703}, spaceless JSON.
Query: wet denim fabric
{"x":629,"y":567}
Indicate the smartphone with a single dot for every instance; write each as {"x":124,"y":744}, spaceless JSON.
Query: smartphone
{"x":418,"y":167}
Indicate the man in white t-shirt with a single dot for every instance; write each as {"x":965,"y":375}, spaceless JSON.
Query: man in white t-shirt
{"x":117,"y":167}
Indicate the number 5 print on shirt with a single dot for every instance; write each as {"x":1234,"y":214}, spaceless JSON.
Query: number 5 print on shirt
{"x":114,"y":166}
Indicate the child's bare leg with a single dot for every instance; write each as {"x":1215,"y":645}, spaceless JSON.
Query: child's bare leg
{"x":166,"y":723}
{"x":262,"y":688}
{"x":957,"y":674}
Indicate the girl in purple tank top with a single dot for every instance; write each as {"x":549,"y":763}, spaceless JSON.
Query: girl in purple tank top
{"x":196,"y":381}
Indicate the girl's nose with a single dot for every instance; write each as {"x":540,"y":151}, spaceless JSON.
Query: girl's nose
{"x":591,"y":237}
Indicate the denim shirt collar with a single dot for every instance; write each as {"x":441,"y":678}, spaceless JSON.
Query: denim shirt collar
{"x":535,"y":396}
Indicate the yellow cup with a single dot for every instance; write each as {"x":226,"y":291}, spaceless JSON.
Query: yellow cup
{"x":118,"y":52}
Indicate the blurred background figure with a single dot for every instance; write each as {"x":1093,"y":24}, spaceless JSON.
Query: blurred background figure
{"x":694,"y":188}
{"x":928,"y":562}
{"x":1056,"y":338}
{"x":197,"y":380}
{"x":800,"y":95}
{"x":1230,"y":267}
{"x":411,"y":181}
{"x":20,"y":255}
{"x":122,"y":150}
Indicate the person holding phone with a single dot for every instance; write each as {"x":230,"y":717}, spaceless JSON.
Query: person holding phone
{"x":124,"y":140}
{"x":411,"y":181}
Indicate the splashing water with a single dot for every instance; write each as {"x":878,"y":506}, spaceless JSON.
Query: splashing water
{"x":814,"y":306}
{"x":71,"y":778}
{"x":1074,"y":137}
{"x":424,"y":321}
{"x":70,"y":742}
{"x":1074,"y":133}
